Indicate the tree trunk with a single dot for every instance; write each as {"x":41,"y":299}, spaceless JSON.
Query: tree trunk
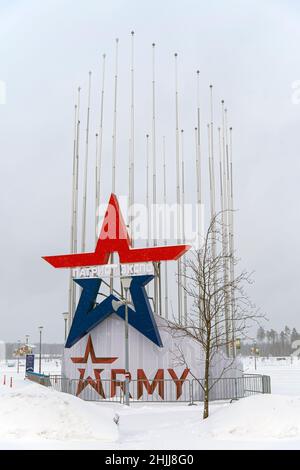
{"x":206,"y":380}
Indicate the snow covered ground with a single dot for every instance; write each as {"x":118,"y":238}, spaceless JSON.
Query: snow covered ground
{"x":285,"y":373}
{"x":35,"y":417}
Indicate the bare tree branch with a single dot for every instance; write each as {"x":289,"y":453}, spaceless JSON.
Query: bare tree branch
{"x":211,"y":295}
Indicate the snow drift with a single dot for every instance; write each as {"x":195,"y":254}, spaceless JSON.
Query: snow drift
{"x":32,"y":411}
{"x":255,"y":418}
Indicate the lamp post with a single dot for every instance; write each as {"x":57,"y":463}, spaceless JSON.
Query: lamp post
{"x":66,"y":317}
{"x":27,"y":340}
{"x":126,"y":282}
{"x":255,"y":351}
{"x":126,"y":285}
{"x":40,"y":357}
{"x":238,"y":344}
{"x":256,"y":355}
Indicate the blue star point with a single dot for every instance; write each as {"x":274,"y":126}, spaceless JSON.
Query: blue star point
{"x":89,"y":314}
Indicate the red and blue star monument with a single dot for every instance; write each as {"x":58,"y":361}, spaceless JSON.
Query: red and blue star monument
{"x":114,"y":238}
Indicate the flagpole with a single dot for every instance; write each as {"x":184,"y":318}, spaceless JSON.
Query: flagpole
{"x":225,"y":226}
{"x":114,"y":148}
{"x":132,"y":146}
{"x":148,"y":190}
{"x":115,"y":120}
{"x":85,"y":181}
{"x":229,"y":232}
{"x":148,"y":197}
{"x":72,"y":216}
{"x":154,"y":200}
{"x":212,"y":163}
{"x":75,"y":208}
{"x":165,"y":205}
{"x":179,"y":297}
{"x":232,"y":245}
{"x":99,"y":148}
{"x":198,"y":161}
{"x":183,"y":228}
{"x":76,"y":195}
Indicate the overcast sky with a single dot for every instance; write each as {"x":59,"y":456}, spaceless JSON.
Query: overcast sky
{"x":249,"y":51}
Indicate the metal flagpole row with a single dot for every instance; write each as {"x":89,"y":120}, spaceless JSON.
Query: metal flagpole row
{"x":225,"y":186}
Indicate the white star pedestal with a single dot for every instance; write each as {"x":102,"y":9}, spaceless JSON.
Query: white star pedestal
{"x":96,"y":366}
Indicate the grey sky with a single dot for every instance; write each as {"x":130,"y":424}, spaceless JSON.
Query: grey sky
{"x":247,"y":49}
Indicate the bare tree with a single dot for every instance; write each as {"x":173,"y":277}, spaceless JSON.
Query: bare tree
{"x":211,"y":296}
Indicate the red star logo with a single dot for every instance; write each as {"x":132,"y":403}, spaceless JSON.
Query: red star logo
{"x":114,"y":238}
{"x":96,"y":382}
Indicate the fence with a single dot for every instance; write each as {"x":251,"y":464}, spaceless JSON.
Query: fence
{"x":167,"y":390}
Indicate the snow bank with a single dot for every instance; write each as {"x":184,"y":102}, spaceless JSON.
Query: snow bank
{"x":31,"y":411}
{"x":254,"y":418}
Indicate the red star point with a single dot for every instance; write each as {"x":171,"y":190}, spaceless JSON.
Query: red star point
{"x":114,"y":238}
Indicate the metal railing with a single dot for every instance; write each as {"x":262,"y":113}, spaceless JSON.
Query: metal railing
{"x":89,"y":390}
{"x":188,"y":391}
{"x":41,"y":379}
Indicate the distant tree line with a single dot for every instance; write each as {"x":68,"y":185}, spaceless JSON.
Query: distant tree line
{"x":271,"y":342}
